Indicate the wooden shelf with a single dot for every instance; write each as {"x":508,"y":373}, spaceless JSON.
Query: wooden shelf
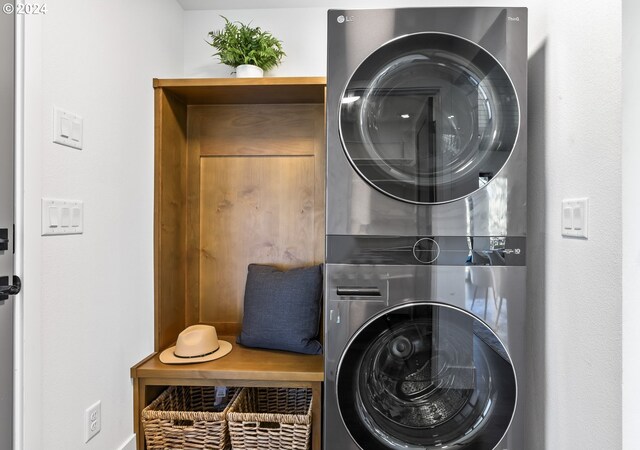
{"x":242,"y":364}
{"x":243,"y":367}
{"x":223,"y":91}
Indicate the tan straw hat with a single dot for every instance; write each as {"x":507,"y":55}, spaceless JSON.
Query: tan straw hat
{"x":197,"y":343}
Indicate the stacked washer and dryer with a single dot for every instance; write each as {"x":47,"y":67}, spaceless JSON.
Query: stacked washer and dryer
{"x":426,"y":229}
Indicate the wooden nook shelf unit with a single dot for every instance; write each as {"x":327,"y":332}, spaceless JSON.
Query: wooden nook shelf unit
{"x":239,"y":179}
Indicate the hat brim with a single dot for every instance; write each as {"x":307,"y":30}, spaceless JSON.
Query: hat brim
{"x":168,"y":357}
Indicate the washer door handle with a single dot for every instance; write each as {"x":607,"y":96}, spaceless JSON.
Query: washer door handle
{"x":358,"y":291}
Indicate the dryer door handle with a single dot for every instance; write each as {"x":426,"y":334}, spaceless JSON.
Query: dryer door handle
{"x":358,"y":291}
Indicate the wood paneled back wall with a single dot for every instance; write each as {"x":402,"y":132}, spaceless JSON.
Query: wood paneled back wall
{"x":236,"y":184}
{"x":256,"y":195}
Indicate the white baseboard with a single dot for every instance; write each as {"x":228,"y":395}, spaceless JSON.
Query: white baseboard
{"x":130,"y":444}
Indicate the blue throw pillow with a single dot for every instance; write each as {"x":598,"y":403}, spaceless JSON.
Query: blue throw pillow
{"x":282,"y":309}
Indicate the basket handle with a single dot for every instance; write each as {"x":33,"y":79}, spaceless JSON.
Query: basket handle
{"x":269,"y":425}
{"x":182,"y":423}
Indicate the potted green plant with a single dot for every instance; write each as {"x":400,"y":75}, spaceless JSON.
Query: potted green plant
{"x":250,"y":50}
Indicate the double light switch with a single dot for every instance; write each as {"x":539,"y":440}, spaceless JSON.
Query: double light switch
{"x":575,"y":217}
{"x":67,"y":128}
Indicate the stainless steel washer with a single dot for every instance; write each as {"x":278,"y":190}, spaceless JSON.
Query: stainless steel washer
{"x":424,"y":356}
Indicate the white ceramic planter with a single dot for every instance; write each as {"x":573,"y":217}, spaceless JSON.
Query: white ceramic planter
{"x":249,"y":71}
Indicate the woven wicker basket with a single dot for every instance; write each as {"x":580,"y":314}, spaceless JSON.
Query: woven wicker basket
{"x":183,"y":417}
{"x":271,"y":419}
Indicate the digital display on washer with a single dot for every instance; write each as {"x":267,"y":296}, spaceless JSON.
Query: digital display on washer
{"x":426,"y":376}
{"x":429,"y":118}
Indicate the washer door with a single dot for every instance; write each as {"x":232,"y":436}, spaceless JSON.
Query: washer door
{"x":426,"y":376}
{"x":429,"y":118}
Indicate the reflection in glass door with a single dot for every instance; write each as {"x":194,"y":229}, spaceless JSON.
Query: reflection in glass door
{"x":426,"y":376}
{"x":429,"y":118}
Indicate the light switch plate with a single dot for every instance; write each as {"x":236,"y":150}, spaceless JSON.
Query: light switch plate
{"x":575,"y":217}
{"x":67,"y":128}
{"x":62,"y":217}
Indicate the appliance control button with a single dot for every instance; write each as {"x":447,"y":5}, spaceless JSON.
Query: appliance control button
{"x":426,"y":250}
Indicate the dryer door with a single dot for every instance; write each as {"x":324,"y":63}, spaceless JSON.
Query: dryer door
{"x":426,"y":376}
{"x":429,"y":118}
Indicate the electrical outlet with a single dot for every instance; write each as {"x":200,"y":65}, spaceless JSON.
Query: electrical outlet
{"x":92,"y":421}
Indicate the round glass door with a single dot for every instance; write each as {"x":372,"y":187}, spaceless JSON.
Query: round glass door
{"x":426,"y":376}
{"x":429,"y":118}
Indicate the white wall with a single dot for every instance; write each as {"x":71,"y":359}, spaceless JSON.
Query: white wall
{"x":89,"y":298}
{"x":631,"y":222}
{"x":574,"y":332}
{"x":583,"y":278}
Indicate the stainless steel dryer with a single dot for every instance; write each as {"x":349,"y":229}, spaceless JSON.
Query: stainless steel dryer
{"x":424,"y":356}
{"x":426,"y":121}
